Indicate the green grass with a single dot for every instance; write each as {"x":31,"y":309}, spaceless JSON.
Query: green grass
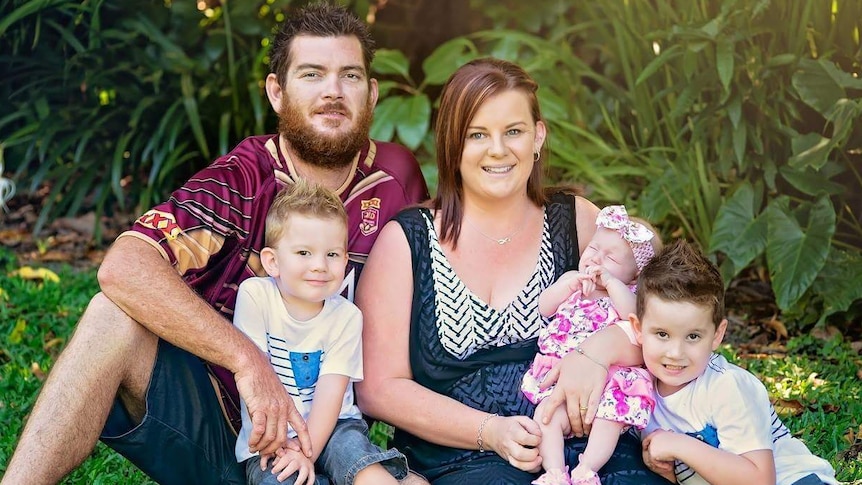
{"x":37,"y":318}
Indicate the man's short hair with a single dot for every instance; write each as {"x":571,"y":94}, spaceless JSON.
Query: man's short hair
{"x":304,"y":198}
{"x":681,"y":273}
{"x":318,"y":20}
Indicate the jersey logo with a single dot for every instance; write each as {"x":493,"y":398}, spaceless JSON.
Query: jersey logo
{"x":161,"y":221}
{"x":370,"y":216}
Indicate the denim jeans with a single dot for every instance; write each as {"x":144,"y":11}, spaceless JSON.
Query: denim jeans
{"x":347,"y":453}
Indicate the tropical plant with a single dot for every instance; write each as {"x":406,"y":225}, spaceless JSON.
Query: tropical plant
{"x":737,"y":122}
{"x":111,"y":101}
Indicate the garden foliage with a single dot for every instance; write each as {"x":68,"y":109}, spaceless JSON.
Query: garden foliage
{"x":736,"y":123}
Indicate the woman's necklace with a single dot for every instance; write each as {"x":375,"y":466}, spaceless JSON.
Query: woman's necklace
{"x":500,"y":241}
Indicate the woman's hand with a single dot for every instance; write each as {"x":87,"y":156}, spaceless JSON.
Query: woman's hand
{"x":516,"y":439}
{"x":579,"y":384}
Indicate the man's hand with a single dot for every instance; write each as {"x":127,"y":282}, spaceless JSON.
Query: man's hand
{"x":271,"y":409}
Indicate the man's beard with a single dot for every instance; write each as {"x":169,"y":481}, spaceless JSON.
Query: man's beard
{"x":323,"y":150}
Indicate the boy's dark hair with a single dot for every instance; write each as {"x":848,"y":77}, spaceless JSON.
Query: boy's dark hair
{"x":681,"y":273}
{"x":319,"y":19}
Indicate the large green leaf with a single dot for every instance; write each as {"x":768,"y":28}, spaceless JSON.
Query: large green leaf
{"x":446,"y":59}
{"x":414,"y":121}
{"x":797,"y":246}
{"x":813,"y":182}
{"x":820,"y":84}
{"x":738,"y":230}
{"x":840,"y":282}
{"x":391,"y":61}
{"x":810,"y":150}
{"x":724,"y":62}
{"x":386,"y":116}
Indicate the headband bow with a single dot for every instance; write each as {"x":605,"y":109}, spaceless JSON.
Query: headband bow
{"x":638,"y":236}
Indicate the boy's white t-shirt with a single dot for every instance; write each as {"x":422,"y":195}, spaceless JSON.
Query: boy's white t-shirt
{"x":300,"y":351}
{"x":729,"y":408}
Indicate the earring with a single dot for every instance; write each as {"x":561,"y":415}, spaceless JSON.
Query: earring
{"x":536,"y":156}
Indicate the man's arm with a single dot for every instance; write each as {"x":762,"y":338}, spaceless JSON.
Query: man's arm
{"x":145,"y":286}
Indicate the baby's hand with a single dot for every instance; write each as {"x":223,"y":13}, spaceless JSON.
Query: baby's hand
{"x":542,"y":364}
{"x":289,"y":462}
{"x":601,"y":276}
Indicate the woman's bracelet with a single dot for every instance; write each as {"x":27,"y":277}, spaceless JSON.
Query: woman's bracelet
{"x":579,"y":350}
{"x":479,"y":440}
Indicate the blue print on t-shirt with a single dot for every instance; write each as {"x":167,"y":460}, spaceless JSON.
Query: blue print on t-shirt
{"x":306,"y":367}
{"x":708,"y":435}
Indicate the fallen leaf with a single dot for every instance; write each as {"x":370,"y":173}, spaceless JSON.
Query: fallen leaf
{"x":37,"y":371}
{"x":12,"y":237}
{"x":17,"y":333}
{"x":856,"y":346}
{"x":859,"y":374}
{"x":831,"y":408}
{"x":825,"y":332}
{"x":789,"y":406}
{"x":54,"y":255}
{"x":850,"y":436}
{"x":28,"y":273}
{"x":776,"y":326}
{"x":813,"y":379}
{"x":52,"y":343}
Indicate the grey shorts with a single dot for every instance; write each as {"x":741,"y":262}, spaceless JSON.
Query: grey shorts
{"x":347,"y":453}
{"x":184,"y":436}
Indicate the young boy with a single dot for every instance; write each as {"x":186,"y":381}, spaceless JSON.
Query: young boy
{"x":713,"y":422}
{"x":312,"y":336}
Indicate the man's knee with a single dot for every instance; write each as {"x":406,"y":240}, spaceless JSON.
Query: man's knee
{"x":114,"y":326}
{"x":114,"y":340}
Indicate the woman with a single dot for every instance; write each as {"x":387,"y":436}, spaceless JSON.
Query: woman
{"x":449,"y":296}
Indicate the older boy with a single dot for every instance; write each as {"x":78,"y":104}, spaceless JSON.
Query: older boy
{"x":713,"y":422}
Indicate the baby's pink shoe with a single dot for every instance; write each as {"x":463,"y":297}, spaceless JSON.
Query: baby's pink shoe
{"x":585,"y":477}
{"x":583,"y":474}
{"x":554,"y":477}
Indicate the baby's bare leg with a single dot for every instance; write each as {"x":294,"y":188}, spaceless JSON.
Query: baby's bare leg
{"x":600,"y":446}
{"x":551,"y":447}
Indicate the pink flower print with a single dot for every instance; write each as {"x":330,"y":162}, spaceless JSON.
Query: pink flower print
{"x":564,"y":326}
{"x":594,"y":312}
{"x":622,"y":406}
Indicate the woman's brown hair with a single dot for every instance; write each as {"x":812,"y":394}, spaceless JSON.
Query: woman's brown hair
{"x":464,"y":93}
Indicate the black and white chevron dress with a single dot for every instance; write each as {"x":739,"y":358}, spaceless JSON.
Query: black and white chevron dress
{"x":465,"y":349}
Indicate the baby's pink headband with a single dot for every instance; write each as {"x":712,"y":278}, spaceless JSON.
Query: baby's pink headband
{"x":615,"y":218}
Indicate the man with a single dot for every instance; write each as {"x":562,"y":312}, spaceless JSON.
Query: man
{"x":134,"y":373}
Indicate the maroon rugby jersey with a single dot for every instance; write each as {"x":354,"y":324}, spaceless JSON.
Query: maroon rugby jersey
{"x":212,"y":228}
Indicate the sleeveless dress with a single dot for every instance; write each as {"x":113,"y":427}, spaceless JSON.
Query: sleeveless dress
{"x":462,"y":348}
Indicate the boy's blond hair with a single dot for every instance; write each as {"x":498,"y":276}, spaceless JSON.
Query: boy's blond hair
{"x":304,"y":198}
